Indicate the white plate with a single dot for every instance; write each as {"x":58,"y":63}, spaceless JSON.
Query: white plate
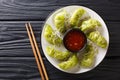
{"x":102,"y":52}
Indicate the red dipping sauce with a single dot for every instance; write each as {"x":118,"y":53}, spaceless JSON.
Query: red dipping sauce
{"x":74,"y":40}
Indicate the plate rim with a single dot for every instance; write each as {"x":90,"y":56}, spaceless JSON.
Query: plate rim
{"x":52,"y":13}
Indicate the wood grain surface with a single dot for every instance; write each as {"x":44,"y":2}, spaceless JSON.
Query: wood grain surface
{"x":40,"y":9}
{"x":16,"y":57}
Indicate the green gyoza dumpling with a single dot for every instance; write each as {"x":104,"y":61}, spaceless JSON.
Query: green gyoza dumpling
{"x":88,"y":57}
{"x":50,"y":36}
{"x":75,"y":18}
{"x":89,"y":24}
{"x":60,"y":21}
{"x":59,"y":55}
{"x":97,"y":38}
{"x":70,"y":63}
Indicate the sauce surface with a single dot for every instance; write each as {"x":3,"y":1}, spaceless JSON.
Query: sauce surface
{"x":74,"y":40}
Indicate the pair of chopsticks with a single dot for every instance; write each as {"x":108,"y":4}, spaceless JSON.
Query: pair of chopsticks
{"x":36,"y":52}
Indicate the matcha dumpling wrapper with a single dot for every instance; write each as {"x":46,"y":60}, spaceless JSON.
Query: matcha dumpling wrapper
{"x":75,"y":17}
{"x":50,"y":36}
{"x":89,"y":24}
{"x":57,"y":54}
{"x":60,"y":21}
{"x":97,"y":38}
{"x":88,"y":58}
{"x":70,"y":63}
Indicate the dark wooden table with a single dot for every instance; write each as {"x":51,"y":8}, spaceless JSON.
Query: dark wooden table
{"x":17,"y":61}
